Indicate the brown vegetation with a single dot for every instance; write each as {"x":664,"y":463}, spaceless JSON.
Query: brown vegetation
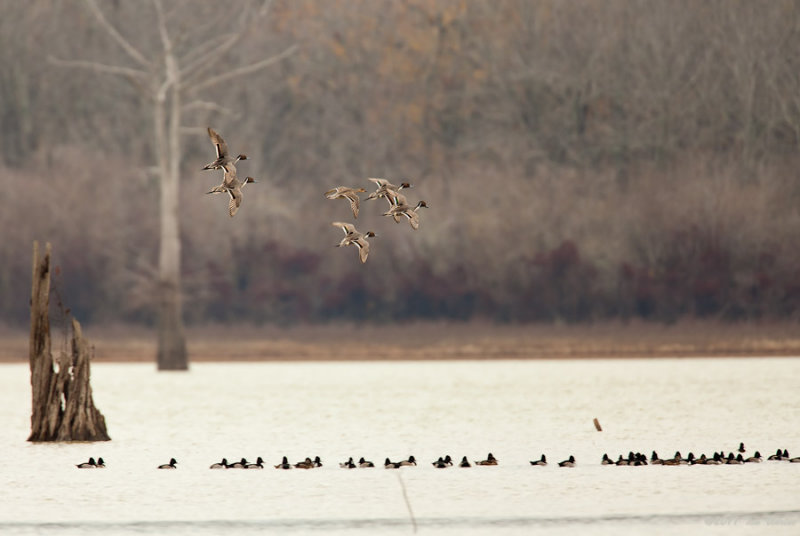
{"x":582,"y":160}
{"x":425,"y":341}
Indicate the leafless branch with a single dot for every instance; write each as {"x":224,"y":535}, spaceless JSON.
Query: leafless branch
{"x":208,"y":60}
{"x":210,"y":106}
{"x":115,"y":35}
{"x":262,"y":12}
{"x":98,"y":67}
{"x":162,"y":27}
{"x":194,"y":130}
{"x":246,"y":69}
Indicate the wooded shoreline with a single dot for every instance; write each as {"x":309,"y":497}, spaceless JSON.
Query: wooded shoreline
{"x":347,"y":342}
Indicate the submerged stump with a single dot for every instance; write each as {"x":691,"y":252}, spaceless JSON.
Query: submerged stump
{"x":62,"y":405}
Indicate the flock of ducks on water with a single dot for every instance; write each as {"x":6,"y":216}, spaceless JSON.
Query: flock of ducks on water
{"x":443,"y":462}
{"x":718,"y":458}
{"x":398,"y":204}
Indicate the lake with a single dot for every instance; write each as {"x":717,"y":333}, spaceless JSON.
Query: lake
{"x":515,"y":409}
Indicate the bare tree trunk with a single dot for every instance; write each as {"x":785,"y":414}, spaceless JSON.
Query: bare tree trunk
{"x":62,"y":407}
{"x":82,"y":421}
{"x":172,"y":353}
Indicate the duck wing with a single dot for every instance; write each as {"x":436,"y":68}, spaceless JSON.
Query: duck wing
{"x":348,"y":228}
{"x":363,"y":248}
{"x":353,"y":198}
{"x":219,"y":143}
{"x":236,"y":200}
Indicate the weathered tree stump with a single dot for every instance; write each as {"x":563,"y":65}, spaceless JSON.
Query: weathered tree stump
{"x":62,"y":405}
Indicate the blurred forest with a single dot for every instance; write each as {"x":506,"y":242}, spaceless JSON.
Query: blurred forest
{"x":582,"y":160}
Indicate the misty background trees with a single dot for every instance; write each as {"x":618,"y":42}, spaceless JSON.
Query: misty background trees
{"x":582,"y":160}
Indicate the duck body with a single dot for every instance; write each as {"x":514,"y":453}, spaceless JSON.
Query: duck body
{"x":91,"y":464}
{"x":362,"y":463}
{"x":569,"y":462}
{"x":258,"y":465}
{"x":351,"y":194}
{"x":221,"y":465}
{"x":241,"y":464}
{"x":755,"y":458}
{"x":352,"y":237}
{"x":170,"y":465}
{"x":410,"y":461}
{"x":412,"y":213}
{"x":490,"y":460}
{"x":541,"y":462}
{"x":388,"y":464}
{"x":386,"y":189}
{"x":232,"y":186}
{"x":223,"y":157}
{"x":284,"y":464}
{"x":308,"y":463}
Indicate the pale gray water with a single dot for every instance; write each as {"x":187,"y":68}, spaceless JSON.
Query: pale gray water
{"x":515,"y":409}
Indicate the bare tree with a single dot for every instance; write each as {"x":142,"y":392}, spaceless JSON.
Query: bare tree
{"x":168,"y":77}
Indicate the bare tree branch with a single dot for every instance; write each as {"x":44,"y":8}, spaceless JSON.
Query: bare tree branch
{"x":190,"y":59}
{"x":208,"y":60}
{"x":246,"y":69}
{"x":98,"y":67}
{"x":195,"y":130}
{"x":115,"y":35}
{"x":210,"y":106}
{"x":162,"y":27}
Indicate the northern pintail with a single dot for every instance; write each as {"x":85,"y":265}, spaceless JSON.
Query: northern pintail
{"x":354,"y":238}
{"x":233,"y":187}
{"x":384,"y":189}
{"x":409,"y":212}
{"x":170,"y":465}
{"x":223,"y":158}
{"x":343,"y":192}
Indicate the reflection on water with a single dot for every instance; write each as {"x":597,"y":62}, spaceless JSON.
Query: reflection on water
{"x":515,"y":409}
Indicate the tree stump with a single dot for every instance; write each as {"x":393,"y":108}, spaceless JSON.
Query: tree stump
{"x":62,"y":405}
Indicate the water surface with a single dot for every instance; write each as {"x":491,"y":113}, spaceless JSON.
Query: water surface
{"x":515,"y":409}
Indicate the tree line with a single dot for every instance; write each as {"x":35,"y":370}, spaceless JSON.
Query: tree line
{"x":582,"y":160}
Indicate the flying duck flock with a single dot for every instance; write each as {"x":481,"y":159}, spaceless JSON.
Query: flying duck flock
{"x":443,"y":462}
{"x":398,"y":203}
